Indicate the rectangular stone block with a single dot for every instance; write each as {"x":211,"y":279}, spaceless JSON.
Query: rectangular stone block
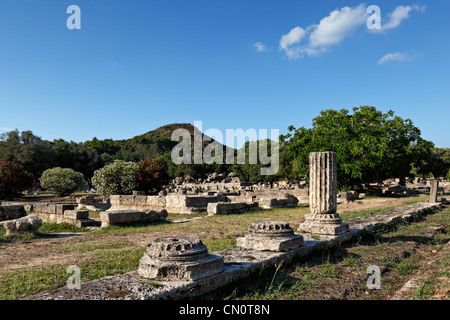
{"x":140,"y":201}
{"x":76,"y":214}
{"x":121,"y":217}
{"x":230,"y":207}
{"x":60,"y":208}
{"x":269,"y":244}
{"x":323,"y":228}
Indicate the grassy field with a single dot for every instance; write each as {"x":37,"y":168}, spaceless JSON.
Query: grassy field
{"x":30,"y":264}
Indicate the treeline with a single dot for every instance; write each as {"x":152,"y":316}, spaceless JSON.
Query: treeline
{"x":371,"y":146}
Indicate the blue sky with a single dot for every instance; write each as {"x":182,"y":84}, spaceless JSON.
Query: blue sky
{"x":137,"y":65}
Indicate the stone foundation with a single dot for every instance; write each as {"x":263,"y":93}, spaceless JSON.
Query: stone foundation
{"x":124,"y":217}
{"x":171,"y":203}
{"x":231,"y":207}
{"x":271,"y":203}
{"x":56,"y":212}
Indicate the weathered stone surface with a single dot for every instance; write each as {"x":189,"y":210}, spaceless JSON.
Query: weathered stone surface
{"x":434,"y":185}
{"x":270,"y":203}
{"x":120,"y":217}
{"x":322,"y":196}
{"x":22,"y":225}
{"x":10,"y":212}
{"x":174,"y":203}
{"x":178,"y":259}
{"x":270,"y":236}
{"x":76,"y":214}
{"x":231,"y":207}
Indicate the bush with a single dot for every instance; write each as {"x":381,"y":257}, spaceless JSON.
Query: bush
{"x":119,"y":177}
{"x":62,"y":181}
{"x":151,"y":176}
{"x":14,"y":179}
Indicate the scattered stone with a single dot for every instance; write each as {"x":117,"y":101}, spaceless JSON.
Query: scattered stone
{"x":29,"y":224}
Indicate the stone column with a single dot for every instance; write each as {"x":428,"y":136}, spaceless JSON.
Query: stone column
{"x":323,"y":196}
{"x":434,"y":185}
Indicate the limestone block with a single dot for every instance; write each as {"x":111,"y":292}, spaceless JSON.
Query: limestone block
{"x":22,"y":225}
{"x":120,"y":217}
{"x":10,"y":212}
{"x":140,"y":201}
{"x":231,"y":207}
{"x":434,"y":186}
{"x":76,"y":214}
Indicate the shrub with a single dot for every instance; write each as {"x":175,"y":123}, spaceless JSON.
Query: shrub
{"x":62,"y":181}
{"x":151,"y":176}
{"x":14,"y":179}
{"x":119,"y":177}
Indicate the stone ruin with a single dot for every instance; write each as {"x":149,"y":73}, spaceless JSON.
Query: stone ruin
{"x":183,"y":267}
{"x":271,"y":236}
{"x":434,"y":186}
{"x":11,"y":211}
{"x":29,"y":224}
{"x":178,"y":259}
{"x":323,"y":218}
{"x":88,"y":202}
{"x":125,"y":217}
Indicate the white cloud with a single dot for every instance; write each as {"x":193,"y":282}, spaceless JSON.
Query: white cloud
{"x":334,"y":28}
{"x":399,"y":14}
{"x":398,"y":56}
{"x":260,"y":46}
{"x":293,"y":37}
{"x":331,"y":30}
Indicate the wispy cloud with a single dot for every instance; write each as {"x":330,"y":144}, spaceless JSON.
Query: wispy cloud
{"x":289,"y":41}
{"x":334,"y":28}
{"x":398,"y":56}
{"x":399,"y":14}
{"x":260,"y":46}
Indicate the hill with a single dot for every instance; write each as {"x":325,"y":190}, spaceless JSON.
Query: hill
{"x":150,"y":145}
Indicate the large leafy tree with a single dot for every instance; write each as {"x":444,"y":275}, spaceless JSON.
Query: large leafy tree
{"x":152,"y":176}
{"x":371,"y":146}
{"x":28,"y":150}
{"x":14,"y":179}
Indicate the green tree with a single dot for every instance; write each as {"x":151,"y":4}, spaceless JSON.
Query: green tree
{"x":62,"y":181}
{"x":119,"y":177}
{"x":371,"y":146}
{"x":28,"y":150}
